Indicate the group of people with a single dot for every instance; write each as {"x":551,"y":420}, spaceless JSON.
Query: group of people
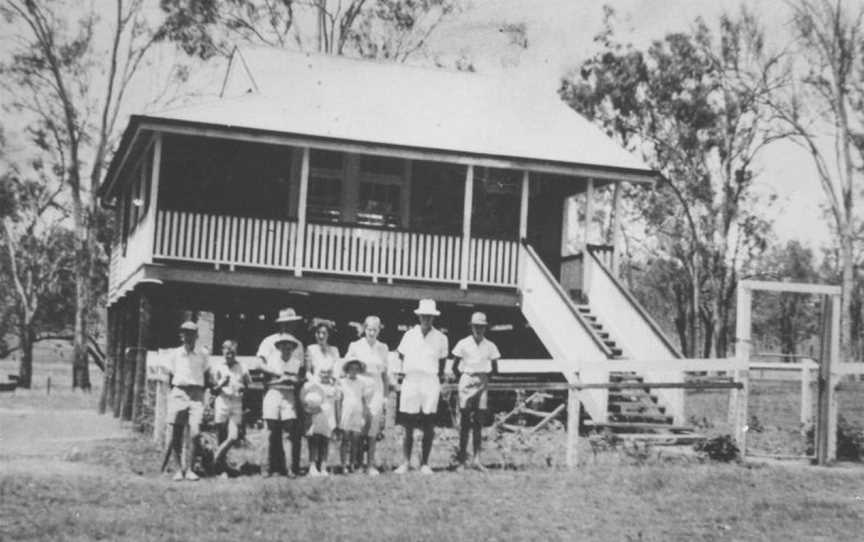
{"x":316,"y":393}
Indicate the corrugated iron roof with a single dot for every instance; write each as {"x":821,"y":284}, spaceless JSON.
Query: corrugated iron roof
{"x":393,"y":104}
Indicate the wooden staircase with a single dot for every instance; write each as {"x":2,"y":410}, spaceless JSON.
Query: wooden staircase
{"x":634,"y":413}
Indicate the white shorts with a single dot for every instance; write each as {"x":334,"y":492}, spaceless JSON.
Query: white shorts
{"x":420,"y":394}
{"x":228,"y":409}
{"x":473,"y":392}
{"x":186,"y":400}
{"x":279,"y":405}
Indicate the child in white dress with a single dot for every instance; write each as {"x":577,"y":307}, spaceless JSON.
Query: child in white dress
{"x":355,"y":416}
{"x":320,"y":396}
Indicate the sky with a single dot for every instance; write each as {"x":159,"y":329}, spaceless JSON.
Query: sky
{"x":560,"y":33}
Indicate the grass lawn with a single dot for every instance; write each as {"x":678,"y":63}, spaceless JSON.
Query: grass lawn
{"x":101,"y":488}
{"x":599,"y":502}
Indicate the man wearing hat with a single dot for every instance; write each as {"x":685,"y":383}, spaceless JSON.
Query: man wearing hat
{"x":186,"y":367}
{"x":423,"y":351}
{"x":287,"y":322}
{"x":475,"y":360}
{"x":279,"y":409}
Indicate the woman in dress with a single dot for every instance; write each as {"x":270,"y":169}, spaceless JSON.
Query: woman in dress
{"x":373,"y":353}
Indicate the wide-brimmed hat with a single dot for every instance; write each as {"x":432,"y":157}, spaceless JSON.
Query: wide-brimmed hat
{"x":479,"y":319}
{"x":286,"y":338}
{"x":188,"y":325}
{"x":427,"y":306}
{"x":288,"y":315}
{"x":361,"y":366}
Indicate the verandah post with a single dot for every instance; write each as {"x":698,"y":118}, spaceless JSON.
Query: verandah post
{"x":467,"y":209}
{"x":300,"y":245}
{"x":140,"y":378}
{"x":616,"y":228}
{"x":523,"y":206}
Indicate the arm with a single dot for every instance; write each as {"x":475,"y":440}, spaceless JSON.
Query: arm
{"x":456,"y":372}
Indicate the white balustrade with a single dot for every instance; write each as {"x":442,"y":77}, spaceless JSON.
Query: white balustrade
{"x":332,"y":249}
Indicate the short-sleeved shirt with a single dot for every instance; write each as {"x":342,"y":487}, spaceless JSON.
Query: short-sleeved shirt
{"x":476,"y":358}
{"x":422,"y":353}
{"x":187,"y":368}
{"x":356,"y":396}
{"x":238,"y":379}
{"x":278,"y":366}
{"x":319,"y":359}
{"x":267,"y":349}
{"x":374,"y":356}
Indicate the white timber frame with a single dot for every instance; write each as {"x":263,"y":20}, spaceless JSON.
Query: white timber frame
{"x":830,"y":368}
{"x":467,"y":210}
{"x":301,"y":214}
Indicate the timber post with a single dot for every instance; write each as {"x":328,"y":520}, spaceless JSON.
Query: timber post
{"x":139,"y":386}
{"x":467,"y":209}
{"x":119,"y":366}
{"x":573,"y":403}
{"x":130,"y":334}
{"x":738,"y":398}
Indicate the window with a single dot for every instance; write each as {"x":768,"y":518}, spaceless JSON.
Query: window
{"x":326,"y":181}
{"x":497,"y":194}
{"x":379,"y":204}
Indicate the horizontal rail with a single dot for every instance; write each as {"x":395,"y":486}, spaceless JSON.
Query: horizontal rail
{"x":684,"y":365}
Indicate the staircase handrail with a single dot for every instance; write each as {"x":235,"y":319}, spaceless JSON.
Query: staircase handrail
{"x":635,"y":304}
{"x":529,"y":250}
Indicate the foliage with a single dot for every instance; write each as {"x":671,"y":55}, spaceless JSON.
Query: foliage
{"x":66,"y":76}
{"x":850,"y":440}
{"x":389,"y":29}
{"x":691,"y":103}
{"x":721,"y":448}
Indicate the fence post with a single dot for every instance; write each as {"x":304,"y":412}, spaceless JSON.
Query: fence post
{"x":573,"y":402}
{"x":738,"y":397}
{"x":806,"y":397}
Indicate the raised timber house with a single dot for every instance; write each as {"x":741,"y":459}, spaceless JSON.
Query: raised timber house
{"x":344,"y":188}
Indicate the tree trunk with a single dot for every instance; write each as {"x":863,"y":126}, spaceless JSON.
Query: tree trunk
{"x":80,"y":366}
{"x":25,"y":368}
{"x":846,"y":242}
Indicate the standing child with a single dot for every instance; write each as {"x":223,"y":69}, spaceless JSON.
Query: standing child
{"x":355,"y":415}
{"x":320,"y":396}
{"x":475,"y":360}
{"x":231,"y":379}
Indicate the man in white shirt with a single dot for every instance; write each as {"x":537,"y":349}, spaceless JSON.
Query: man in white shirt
{"x":475,"y":360}
{"x":280,"y":410}
{"x":423,"y":351}
{"x":271,"y":357}
{"x":186,"y":368}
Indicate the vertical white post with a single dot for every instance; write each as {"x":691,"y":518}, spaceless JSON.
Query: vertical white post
{"x":150,"y":234}
{"x":589,"y":211}
{"x":523,"y":206}
{"x":616,"y":228}
{"x":806,"y":396}
{"x":467,"y":209}
{"x":301,"y":214}
{"x":833,"y":360}
{"x":572,"y":453}
{"x":738,"y":398}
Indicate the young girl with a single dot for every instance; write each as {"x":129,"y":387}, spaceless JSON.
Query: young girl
{"x":320,"y":396}
{"x":355,"y":417}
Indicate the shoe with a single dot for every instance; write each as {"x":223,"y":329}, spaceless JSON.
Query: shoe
{"x":425,"y":469}
{"x":372,"y":471}
{"x":178,"y":476}
{"x":224,"y":476}
{"x":401,"y":469}
{"x":323,"y":470}
{"x":191,"y":476}
{"x":313,"y":471}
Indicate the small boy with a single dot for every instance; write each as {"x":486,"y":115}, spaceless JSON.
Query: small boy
{"x":355,"y":416}
{"x":231,"y":380}
{"x":475,"y":360}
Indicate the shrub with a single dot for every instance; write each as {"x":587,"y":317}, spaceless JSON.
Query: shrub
{"x":850,"y":441}
{"x":722,"y":448}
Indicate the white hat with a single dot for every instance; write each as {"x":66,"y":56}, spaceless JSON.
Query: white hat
{"x":188,"y":325}
{"x":288,"y":315}
{"x":479,"y":319}
{"x":427,"y":306}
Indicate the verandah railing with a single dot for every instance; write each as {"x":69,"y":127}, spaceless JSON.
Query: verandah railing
{"x":333,"y":249}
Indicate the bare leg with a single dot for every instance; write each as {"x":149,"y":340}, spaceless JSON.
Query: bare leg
{"x":296,"y":439}
{"x":464,"y":431}
{"x":408,"y":442}
{"x":370,"y":458}
{"x":176,"y":443}
{"x":323,"y":452}
{"x":477,"y":437}
{"x":428,"y":436}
